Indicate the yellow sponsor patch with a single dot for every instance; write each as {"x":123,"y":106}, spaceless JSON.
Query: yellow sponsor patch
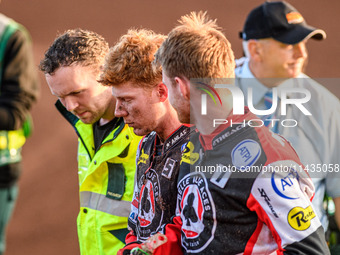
{"x":300,"y":218}
{"x":143,"y":157}
{"x":188,"y":155}
{"x":294,"y":18}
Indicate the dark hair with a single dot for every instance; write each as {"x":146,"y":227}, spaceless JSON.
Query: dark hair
{"x":75,"y":46}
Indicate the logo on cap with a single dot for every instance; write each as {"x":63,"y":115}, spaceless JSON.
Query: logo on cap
{"x":294,"y":18}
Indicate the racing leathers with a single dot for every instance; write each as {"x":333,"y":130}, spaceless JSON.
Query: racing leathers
{"x":243,"y":190}
{"x":155,"y":193}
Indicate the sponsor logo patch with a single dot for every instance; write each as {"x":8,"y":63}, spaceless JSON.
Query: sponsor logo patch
{"x":198,"y":213}
{"x":267,"y":200}
{"x":226,"y":134}
{"x":185,"y":148}
{"x":300,"y":218}
{"x":189,"y":156}
{"x":175,"y":138}
{"x":294,"y":18}
{"x":246,"y":153}
{"x":149,"y":214}
{"x":133,"y":217}
{"x":143,"y":158}
{"x":284,"y":186}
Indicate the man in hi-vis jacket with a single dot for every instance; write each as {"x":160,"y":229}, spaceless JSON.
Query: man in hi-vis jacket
{"x":107,"y":147}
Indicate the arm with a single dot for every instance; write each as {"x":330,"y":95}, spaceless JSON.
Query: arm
{"x":281,"y":199}
{"x":166,"y":243}
{"x":173,"y":236}
{"x":19,"y":83}
{"x":131,"y":238}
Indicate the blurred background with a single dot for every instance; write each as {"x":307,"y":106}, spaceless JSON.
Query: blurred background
{"x":44,"y":221}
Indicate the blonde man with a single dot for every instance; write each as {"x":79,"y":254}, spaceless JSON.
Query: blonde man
{"x":142,"y":100}
{"x":229,"y":190}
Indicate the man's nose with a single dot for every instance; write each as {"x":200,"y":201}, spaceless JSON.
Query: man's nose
{"x":300,"y":50}
{"x":120,"y":111}
{"x":70,"y":103}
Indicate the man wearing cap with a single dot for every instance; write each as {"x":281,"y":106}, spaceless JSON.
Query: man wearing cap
{"x":275,"y":36}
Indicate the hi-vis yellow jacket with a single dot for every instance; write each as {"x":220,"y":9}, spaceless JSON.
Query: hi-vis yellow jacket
{"x":106,"y":181}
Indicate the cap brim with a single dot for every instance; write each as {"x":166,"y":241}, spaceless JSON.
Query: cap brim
{"x":300,"y":33}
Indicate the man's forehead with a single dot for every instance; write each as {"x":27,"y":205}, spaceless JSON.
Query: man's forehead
{"x":128,"y":90}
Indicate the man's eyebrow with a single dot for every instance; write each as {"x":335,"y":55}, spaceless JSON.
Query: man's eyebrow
{"x":67,"y":94}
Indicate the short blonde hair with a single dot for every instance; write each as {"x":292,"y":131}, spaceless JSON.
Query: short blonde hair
{"x":196,"y":49}
{"x":130,"y":60}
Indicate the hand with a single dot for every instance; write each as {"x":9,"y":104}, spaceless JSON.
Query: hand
{"x":126,"y":250}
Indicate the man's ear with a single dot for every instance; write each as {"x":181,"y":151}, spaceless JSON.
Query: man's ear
{"x":162,"y":91}
{"x":183,"y":85}
{"x":255,"y":50}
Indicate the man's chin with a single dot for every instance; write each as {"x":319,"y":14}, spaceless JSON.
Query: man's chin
{"x":139,"y":131}
{"x":87,"y":120}
{"x":185,"y":119}
{"x":294,"y":72}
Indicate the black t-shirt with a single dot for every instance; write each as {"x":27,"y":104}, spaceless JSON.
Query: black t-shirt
{"x":101,"y":132}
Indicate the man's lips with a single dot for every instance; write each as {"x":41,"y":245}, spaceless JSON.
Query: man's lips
{"x":129,"y":123}
{"x":295,"y":64}
{"x":82,"y":114}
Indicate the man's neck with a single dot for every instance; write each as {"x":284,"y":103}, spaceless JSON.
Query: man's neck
{"x":206,"y":123}
{"x":167,"y":125}
{"x":261,"y":76}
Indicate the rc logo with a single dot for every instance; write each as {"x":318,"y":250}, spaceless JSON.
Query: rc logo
{"x":149,"y":214}
{"x":197,"y":211}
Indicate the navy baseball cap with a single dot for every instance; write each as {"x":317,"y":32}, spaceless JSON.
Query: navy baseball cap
{"x":280,"y":21}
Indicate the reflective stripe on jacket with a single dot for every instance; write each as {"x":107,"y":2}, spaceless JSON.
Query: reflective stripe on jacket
{"x":106,"y":180}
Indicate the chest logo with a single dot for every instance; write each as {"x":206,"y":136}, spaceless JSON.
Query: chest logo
{"x":245,"y":154}
{"x":147,"y":198}
{"x":149,"y":209}
{"x":143,"y":158}
{"x":195,"y":204}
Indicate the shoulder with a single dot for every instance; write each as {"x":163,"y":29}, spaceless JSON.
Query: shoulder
{"x":148,"y":139}
{"x":275,"y":146}
{"x":323,"y":103}
{"x":147,"y":142}
{"x":317,"y":88}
